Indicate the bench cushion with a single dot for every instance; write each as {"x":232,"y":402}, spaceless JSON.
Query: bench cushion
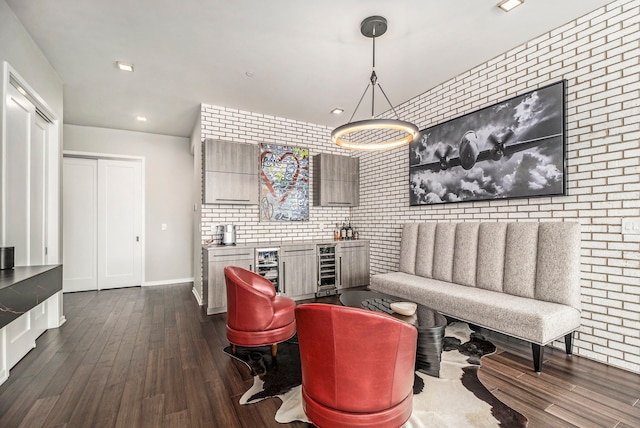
{"x":526,"y":318}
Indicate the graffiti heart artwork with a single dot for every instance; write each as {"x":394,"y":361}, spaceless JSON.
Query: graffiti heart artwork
{"x":284,"y":183}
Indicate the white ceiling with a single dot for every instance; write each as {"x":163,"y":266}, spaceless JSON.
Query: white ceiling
{"x":307,"y":56}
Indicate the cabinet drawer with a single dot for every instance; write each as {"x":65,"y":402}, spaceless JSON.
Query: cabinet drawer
{"x":298,"y":250}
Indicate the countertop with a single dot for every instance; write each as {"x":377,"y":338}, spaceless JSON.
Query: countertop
{"x":278,"y":244}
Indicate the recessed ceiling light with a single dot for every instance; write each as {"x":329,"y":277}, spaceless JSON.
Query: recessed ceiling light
{"x":508,"y":5}
{"x":124,"y":66}
{"x":141,"y":118}
{"x":337,"y":111}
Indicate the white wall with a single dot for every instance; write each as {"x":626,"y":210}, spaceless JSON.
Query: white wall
{"x":23,"y":55}
{"x":599,"y":56}
{"x":168,"y":194}
{"x":18,"y":48}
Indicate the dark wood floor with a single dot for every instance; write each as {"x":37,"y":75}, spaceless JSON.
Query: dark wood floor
{"x":149,"y":357}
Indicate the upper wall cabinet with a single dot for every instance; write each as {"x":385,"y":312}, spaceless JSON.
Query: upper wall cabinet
{"x":230,"y":172}
{"x":336,"y":180}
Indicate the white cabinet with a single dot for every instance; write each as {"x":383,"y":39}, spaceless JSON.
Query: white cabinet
{"x":215,"y":260}
{"x":230,"y":173}
{"x":353,"y":264}
{"x":298,"y":270}
{"x":336,"y":180}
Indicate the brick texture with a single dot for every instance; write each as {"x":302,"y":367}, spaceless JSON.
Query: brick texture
{"x":254,"y":128}
{"x":598,"y":55}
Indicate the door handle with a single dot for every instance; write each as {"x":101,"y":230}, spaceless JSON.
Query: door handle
{"x":137,"y":239}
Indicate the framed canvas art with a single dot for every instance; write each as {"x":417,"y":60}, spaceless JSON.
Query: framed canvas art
{"x":284,"y":183}
{"x":512,"y":149}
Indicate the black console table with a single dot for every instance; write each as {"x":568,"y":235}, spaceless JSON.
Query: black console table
{"x":25,"y":287}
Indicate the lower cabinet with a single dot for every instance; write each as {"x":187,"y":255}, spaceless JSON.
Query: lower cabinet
{"x":353,"y":264}
{"x":298,"y":270}
{"x":215,"y":260}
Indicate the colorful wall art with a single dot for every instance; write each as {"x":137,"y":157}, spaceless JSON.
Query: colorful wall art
{"x":513,"y":149}
{"x":284,"y":183}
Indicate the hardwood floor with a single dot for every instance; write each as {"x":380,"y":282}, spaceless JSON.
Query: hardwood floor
{"x":149,"y":357}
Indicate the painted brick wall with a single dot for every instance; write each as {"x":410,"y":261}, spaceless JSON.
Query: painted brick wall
{"x":254,"y":128}
{"x":598,"y":55}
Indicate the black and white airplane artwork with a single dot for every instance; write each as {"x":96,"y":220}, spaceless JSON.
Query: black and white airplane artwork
{"x":469,"y":155}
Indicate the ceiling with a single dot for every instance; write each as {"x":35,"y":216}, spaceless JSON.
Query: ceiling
{"x":306,"y":57}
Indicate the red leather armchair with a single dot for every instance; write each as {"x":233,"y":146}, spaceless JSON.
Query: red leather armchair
{"x":357,"y":366}
{"x":255,"y":315}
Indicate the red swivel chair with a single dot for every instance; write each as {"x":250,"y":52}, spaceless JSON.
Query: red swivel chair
{"x":255,"y":315}
{"x":357,"y":366}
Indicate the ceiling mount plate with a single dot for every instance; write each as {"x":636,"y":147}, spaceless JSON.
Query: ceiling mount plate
{"x":373,"y":26}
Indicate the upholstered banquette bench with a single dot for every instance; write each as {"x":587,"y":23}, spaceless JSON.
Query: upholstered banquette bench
{"x":520,"y":279}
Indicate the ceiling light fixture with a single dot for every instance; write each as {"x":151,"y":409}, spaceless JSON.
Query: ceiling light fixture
{"x":508,"y":5}
{"x":124,"y":66}
{"x":141,"y":118}
{"x":372,"y":27}
{"x":337,"y":111}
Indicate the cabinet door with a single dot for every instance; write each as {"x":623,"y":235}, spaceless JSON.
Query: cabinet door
{"x":339,"y":193}
{"x":339,"y":168}
{"x":230,"y":188}
{"x":216,"y":288}
{"x":336,"y":180}
{"x":225,"y":156}
{"x":298,"y":270}
{"x":353,"y":264}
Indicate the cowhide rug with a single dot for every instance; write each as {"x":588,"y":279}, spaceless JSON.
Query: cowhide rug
{"x":456,"y":399}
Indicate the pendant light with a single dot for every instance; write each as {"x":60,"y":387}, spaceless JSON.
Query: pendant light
{"x":372,"y":27}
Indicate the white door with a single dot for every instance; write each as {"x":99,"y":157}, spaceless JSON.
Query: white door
{"x":38,"y":191}
{"x":25,"y":186}
{"x":19,"y":114}
{"x":119,"y":224}
{"x":102,"y":224}
{"x":80,"y":229}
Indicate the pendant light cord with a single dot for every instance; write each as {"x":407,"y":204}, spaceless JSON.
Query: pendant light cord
{"x":373,"y":82}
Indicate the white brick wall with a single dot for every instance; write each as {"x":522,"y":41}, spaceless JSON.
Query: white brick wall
{"x":254,"y":128}
{"x":598,"y":55}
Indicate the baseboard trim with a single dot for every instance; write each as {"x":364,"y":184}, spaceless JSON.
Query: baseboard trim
{"x":167,"y":282}
{"x":197,"y":296}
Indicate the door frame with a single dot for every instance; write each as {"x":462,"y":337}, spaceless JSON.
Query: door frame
{"x":141,"y":159}
{"x":54,"y":165}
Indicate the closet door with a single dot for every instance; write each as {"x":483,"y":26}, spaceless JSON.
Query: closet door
{"x":24,"y":184}
{"x":80,"y":229}
{"x":119,"y":224}
{"x":102,"y":224}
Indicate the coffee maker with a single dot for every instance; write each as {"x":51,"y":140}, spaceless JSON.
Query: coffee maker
{"x":228,"y":234}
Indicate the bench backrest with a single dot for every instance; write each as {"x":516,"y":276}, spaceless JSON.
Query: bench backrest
{"x":536,"y":260}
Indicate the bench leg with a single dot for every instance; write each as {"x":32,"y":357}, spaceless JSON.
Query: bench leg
{"x":538,"y":355}
{"x":568,"y":343}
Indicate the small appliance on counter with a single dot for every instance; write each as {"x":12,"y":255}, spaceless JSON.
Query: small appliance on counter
{"x":6,"y":257}
{"x":228,"y":234}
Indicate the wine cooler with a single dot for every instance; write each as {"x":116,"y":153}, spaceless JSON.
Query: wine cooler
{"x":267,"y":263}
{"x":326,"y":254}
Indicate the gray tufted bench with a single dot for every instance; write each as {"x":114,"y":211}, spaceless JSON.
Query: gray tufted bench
{"x":520,"y":279}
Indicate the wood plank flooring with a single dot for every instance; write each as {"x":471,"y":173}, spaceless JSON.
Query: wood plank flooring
{"x":149,"y":357}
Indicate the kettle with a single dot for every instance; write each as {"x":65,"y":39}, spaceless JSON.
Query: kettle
{"x":228,"y":234}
